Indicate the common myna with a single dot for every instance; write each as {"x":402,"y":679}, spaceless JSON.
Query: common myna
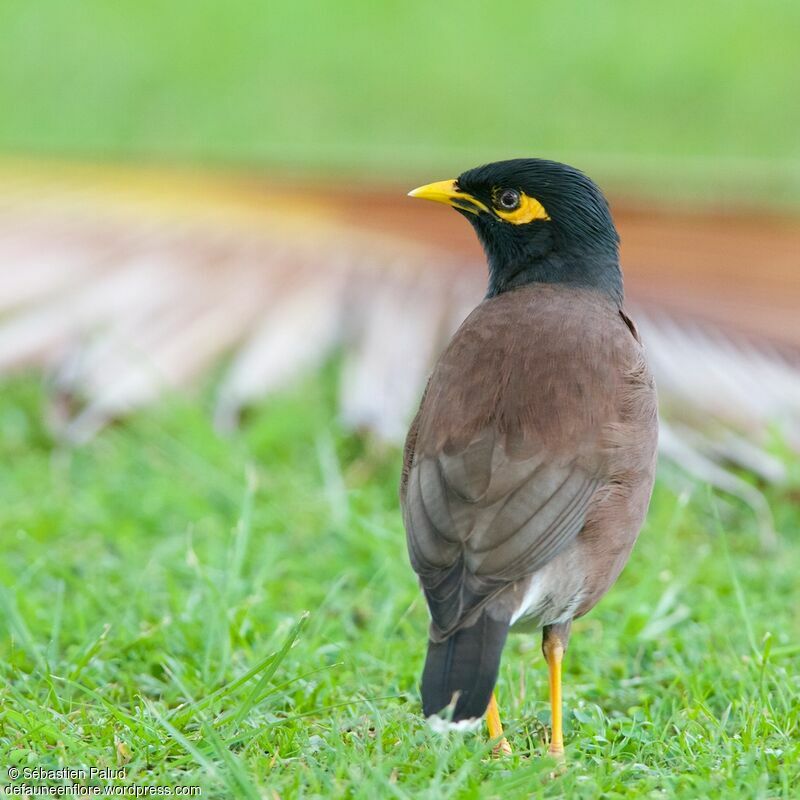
{"x":529,"y":466}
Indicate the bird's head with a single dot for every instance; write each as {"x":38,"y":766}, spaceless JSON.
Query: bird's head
{"x":538,"y":221}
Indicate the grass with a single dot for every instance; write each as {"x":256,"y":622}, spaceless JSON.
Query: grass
{"x":238,"y":614}
{"x":680,"y":98}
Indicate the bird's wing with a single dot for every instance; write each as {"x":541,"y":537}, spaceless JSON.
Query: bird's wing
{"x":506,"y":453}
{"x":478,"y":521}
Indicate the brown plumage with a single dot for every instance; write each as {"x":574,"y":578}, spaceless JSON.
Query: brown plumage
{"x":529,"y":466}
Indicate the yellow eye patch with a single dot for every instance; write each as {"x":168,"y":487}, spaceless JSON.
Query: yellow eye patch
{"x":528,"y":210}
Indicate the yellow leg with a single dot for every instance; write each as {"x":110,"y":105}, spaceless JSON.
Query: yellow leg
{"x":554,"y":653}
{"x":496,"y":728}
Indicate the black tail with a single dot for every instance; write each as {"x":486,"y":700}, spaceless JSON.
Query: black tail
{"x":467,"y":662}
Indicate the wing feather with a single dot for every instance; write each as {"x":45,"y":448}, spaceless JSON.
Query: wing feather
{"x":466,"y":550}
{"x":506,"y":455}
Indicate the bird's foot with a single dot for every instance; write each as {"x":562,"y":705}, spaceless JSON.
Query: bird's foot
{"x":502,"y":749}
{"x":557,"y":754}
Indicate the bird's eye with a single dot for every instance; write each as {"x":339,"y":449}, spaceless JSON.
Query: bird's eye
{"x":508,"y":199}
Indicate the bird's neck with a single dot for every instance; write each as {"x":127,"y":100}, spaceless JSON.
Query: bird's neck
{"x":597,"y":270}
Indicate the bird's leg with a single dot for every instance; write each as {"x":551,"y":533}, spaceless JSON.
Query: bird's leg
{"x":554,"y":645}
{"x":496,"y":728}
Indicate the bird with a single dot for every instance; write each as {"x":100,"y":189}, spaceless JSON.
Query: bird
{"x":529,"y":466}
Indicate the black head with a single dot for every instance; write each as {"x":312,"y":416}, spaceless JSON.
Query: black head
{"x":538,"y":221}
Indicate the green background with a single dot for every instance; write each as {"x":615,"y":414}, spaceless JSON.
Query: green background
{"x":681,"y":97}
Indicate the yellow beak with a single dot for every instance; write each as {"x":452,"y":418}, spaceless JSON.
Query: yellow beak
{"x":447,"y":192}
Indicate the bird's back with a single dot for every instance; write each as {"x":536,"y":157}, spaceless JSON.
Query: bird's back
{"x":538,"y":418}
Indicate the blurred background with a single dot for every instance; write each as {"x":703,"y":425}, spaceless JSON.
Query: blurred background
{"x":208,"y":263}
{"x":191,"y":188}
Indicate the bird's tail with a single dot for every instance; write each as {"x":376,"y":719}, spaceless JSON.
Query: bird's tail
{"x":465,"y":663}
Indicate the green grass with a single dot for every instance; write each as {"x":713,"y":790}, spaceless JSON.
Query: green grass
{"x":238,"y":614}
{"x":677,"y":97}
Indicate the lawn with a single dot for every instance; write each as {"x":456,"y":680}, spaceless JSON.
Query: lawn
{"x":238,"y":614}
